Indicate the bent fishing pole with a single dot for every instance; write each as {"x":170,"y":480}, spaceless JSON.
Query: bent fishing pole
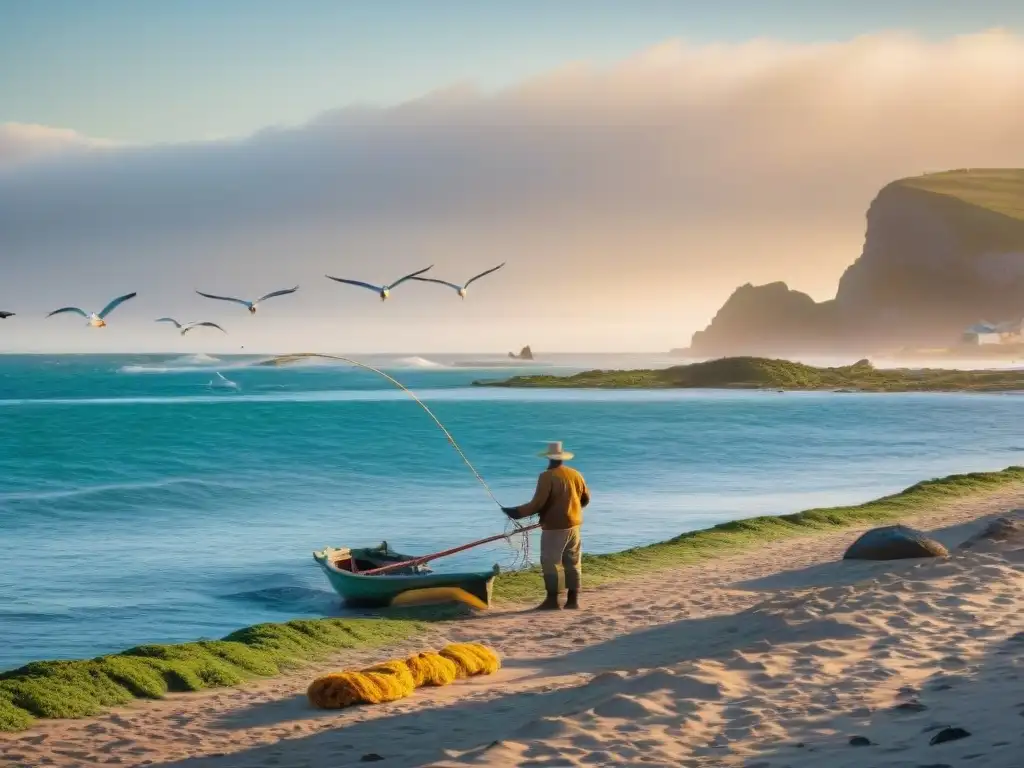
{"x":519,"y":528}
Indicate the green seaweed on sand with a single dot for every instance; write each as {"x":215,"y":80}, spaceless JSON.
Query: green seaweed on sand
{"x":82,"y":688}
{"x":726,"y":538}
{"x":50,"y":689}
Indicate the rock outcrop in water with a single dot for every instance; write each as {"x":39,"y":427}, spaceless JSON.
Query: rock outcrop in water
{"x":524,"y":354}
{"x":942,"y":251}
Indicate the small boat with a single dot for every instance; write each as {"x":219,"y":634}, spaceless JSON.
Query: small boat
{"x":399,"y":584}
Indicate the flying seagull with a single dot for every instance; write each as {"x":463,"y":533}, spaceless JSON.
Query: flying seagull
{"x":5,"y":315}
{"x":381,"y":290}
{"x":188,"y":326}
{"x":96,"y":319}
{"x":460,"y":289}
{"x":250,"y":304}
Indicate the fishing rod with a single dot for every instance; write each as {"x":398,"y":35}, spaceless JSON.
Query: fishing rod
{"x":519,"y":528}
{"x":427,"y":558}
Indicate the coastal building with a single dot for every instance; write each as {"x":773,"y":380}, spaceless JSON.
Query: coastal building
{"x":1009,"y":332}
{"x":982,"y":333}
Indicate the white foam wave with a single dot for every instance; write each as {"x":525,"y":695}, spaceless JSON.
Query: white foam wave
{"x":68,"y":493}
{"x":474,"y":394}
{"x":197,"y":359}
{"x":415,"y":362}
{"x":183,"y":364}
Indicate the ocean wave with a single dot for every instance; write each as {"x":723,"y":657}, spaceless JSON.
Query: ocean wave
{"x":464,"y":394}
{"x":291,"y":598}
{"x":183,"y":364}
{"x":414,"y":362}
{"x":91,"y":490}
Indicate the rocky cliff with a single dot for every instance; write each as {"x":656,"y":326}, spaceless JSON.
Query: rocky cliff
{"x":768,"y":319}
{"x":941,"y":252}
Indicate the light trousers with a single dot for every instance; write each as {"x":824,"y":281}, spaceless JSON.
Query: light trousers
{"x":563,"y":548}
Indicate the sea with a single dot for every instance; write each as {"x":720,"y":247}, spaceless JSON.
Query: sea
{"x":161,"y":498}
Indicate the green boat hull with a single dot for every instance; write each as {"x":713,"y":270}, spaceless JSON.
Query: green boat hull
{"x":360,"y":591}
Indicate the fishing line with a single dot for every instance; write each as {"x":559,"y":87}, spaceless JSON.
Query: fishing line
{"x":518,"y":528}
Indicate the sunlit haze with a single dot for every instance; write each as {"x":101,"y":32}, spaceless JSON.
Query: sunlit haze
{"x":630,"y":184}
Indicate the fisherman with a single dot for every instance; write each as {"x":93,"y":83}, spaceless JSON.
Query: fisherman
{"x":559,"y":500}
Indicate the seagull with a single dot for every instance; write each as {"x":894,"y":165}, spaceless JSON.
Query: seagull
{"x":5,"y":315}
{"x":188,"y":326}
{"x":96,"y":319}
{"x":250,"y":304}
{"x":461,"y":289}
{"x":382,"y":290}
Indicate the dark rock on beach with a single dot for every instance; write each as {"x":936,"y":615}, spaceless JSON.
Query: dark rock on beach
{"x":910,"y":706}
{"x":949,"y":734}
{"x":894,"y":542}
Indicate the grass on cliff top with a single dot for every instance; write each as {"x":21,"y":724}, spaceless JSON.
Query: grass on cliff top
{"x":996,"y":189}
{"x":69,"y":689}
{"x":766,"y":373}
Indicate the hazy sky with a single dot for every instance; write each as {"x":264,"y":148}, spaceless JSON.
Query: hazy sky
{"x":632,"y":163}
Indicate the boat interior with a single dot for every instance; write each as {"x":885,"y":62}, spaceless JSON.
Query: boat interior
{"x":367,"y":561}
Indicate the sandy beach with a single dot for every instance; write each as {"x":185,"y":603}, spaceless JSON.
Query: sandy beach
{"x":777,"y":656}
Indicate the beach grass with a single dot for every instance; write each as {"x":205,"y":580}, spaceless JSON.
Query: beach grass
{"x":771,"y":373}
{"x":62,"y":689}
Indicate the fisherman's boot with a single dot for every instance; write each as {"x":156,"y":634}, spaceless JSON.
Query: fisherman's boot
{"x":551,"y":601}
{"x":572,"y":601}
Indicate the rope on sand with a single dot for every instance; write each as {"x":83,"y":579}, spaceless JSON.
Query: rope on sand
{"x":393,"y":680}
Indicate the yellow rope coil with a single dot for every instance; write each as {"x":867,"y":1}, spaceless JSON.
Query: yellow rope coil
{"x":472,"y":659}
{"x":432,"y":669}
{"x":393,"y":680}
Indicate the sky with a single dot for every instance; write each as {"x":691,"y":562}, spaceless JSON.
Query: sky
{"x":632,"y":162}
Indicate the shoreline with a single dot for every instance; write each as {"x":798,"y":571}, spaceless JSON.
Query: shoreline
{"x":84,"y":688}
{"x":780,"y":656}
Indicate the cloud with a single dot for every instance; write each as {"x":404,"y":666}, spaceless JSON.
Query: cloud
{"x":629,"y":200}
{"x":20,"y":142}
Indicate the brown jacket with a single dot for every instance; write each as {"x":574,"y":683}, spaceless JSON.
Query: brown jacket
{"x":559,"y":499}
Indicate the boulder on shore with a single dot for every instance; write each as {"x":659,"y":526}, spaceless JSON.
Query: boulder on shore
{"x":894,"y":542}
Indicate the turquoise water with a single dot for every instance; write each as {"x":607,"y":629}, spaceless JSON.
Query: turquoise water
{"x":138,"y":504}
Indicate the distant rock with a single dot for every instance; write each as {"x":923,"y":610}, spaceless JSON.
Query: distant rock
{"x":1003,"y":532}
{"x":768,"y":319}
{"x":894,"y":542}
{"x":524,"y":354}
{"x":860,"y":741}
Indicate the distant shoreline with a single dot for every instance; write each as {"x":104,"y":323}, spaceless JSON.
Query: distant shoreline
{"x":777,"y":374}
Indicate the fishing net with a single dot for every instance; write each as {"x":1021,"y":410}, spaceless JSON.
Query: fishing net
{"x":393,"y":680}
{"x":432,"y":669}
{"x":472,"y":659}
{"x":389,"y":681}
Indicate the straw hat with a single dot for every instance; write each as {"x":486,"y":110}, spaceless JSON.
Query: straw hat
{"x":555,"y":452}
